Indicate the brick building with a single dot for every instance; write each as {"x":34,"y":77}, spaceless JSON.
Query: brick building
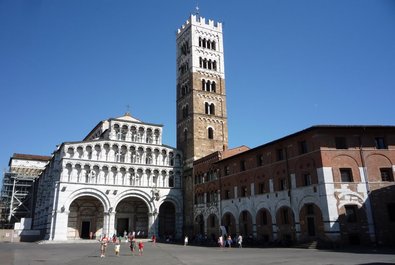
{"x":325,"y":183}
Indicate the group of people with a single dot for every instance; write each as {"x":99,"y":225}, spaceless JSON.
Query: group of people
{"x":104,"y":241}
{"x":224,"y":241}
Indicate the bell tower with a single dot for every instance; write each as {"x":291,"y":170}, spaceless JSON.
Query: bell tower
{"x":201,"y":99}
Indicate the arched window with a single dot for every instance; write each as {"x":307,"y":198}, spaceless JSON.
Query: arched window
{"x":205,"y":63}
{"x":185,"y":111}
{"x":209,"y":64}
{"x":200,"y":62}
{"x":208,"y":44}
{"x":213,"y":44}
{"x":204,"y":43}
{"x":210,"y":133}
{"x":209,"y":109}
{"x":171,"y":181}
{"x":200,"y":42}
{"x":124,"y":132}
{"x":206,"y":108}
{"x":215,"y":65}
{"x":208,"y":84}
{"x":212,"y":109}
{"x":185,"y":135}
{"x":213,"y":86}
{"x":203,"y":84}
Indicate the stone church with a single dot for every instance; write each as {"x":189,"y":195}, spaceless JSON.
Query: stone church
{"x":119,"y":178}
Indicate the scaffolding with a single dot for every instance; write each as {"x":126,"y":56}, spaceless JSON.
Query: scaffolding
{"x":17,"y":198}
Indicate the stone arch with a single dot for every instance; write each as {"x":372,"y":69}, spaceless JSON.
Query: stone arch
{"x":133,"y":132}
{"x":133,"y":210}
{"x":245,"y":223}
{"x":85,"y":217}
{"x":375,"y":163}
{"x":140,"y":133}
{"x":91,"y":192}
{"x":149,"y":136}
{"x":212,"y":222}
{"x":156,"y":136}
{"x":78,"y":170}
{"x":80,"y":151}
{"x":89,"y":151}
{"x":167,"y":218}
{"x":285,"y":220}
{"x":264,"y":225}
{"x":353,"y":222}
{"x":199,"y":224}
{"x":348,"y":197}
{"x":67,"y":172}
{"x":345,"y":161}
{"x":98,"y":149}
{"x":124,"y":132}
{"x":70,"y":152}
{"x":311,"y":222}
{"x":229,"y":222}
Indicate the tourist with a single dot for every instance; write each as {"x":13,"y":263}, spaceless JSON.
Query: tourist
{"x":103,"y":245}
{"x":117,"y":246}
{"x":240,"y":241}
{"x":221,"y":241}
{"x":141,"y":248}
{"x":229,"y":241}
{"x":186,"y":240}
{"x":132,"y":241}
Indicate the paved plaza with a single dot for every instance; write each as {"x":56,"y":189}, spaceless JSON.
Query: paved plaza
{"x":166,"y":254}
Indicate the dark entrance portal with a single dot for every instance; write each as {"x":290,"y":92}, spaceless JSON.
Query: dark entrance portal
{"x":85,"y":227}
{"x":122,"y":225}
{"x":167,"y":220}
{"x":311,"y":226}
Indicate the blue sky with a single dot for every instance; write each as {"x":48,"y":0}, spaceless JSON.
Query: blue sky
{"x":67,"y":65}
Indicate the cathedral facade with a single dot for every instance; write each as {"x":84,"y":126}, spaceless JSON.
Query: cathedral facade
{"x":119,"y":178}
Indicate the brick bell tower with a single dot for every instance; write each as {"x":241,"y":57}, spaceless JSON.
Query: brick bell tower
{"x":201,"y":99}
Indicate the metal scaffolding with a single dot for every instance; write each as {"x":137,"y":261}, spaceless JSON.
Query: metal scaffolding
{"x":17,"y":198}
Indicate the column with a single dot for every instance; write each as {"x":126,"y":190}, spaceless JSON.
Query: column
{"x":152,"y":224}
{"x":111,"y":222}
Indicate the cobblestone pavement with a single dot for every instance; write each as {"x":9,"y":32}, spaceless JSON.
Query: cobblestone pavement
{"x":166,"y":254}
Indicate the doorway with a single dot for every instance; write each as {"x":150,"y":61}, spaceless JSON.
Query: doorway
{"x":122,"y":225}
{"x":311,"y":226}
{"x":85,"y":229}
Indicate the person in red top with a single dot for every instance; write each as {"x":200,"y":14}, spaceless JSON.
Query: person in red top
{"x":141,"y":248}
{"x":154,"y":240}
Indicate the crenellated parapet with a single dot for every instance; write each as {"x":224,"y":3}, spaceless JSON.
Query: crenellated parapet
{"x":201,"y":22}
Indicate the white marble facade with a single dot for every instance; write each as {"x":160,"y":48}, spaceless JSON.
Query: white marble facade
{"x":119,"y":178}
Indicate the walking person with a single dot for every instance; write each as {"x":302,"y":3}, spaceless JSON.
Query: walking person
{"x":153,"y":240}
{"x":185,"y":241}
{"x":117,"y":246}
{"x":229,"y":241}
{"x":103,"y":245}
{"x":221,"y":241}
{"x":240,"y":241}
{"x":132,"y":241}
{"x":141,"y":248}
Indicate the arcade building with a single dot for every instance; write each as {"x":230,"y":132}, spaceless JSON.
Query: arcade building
{"x":119,"y":178}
